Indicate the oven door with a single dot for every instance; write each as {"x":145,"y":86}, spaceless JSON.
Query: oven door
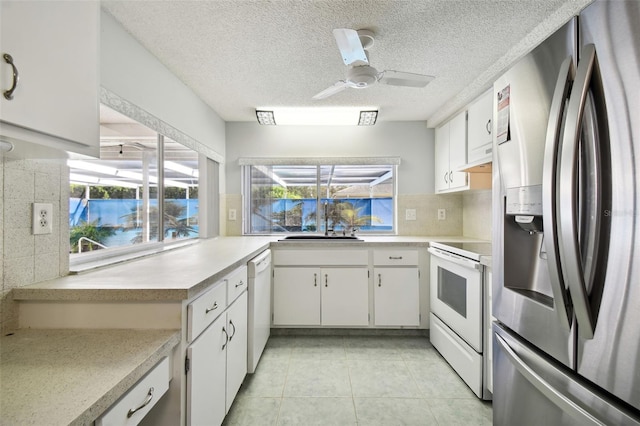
{"x":456,"y":295}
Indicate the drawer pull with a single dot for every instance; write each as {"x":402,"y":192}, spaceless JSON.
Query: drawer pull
{"x":8,"y":94}
{"x":326,"y":280}
{"x":146,"y":402}
{"x":234,"y":329}
{"x":213,"y":308}
{"x":226,"y":338}
{"x":315,"y":280}
{"x":241,"y":283}
{"x":379,"y":280}
{"x":395,"y":257}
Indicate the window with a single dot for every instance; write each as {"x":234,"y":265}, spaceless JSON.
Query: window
{"x":282,"y":198}
{"x":118,"y":200}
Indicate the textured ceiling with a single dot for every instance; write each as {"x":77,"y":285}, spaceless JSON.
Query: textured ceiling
{"x":242,"y":55}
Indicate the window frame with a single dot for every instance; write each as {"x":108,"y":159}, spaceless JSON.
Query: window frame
{"x":208,"y":211}
{"x":246,"y":182}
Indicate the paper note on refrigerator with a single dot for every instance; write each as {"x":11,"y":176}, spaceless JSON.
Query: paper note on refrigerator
{"x":502,"y":130}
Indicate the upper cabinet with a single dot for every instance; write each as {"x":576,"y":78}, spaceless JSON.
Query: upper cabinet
{"x":49,"y":76}
{"x":479,"y":149}
{"x":451,"y":153}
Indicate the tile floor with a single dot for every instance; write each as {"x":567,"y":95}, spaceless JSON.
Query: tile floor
{"x":346,"y":380}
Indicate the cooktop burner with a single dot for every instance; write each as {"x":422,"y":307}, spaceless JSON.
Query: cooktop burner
{"x":469,"y":250}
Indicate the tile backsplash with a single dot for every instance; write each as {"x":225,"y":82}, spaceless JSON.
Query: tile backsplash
{"x":476,"y":214}
{"x":425,"y":205}
{"x":26,"y":258}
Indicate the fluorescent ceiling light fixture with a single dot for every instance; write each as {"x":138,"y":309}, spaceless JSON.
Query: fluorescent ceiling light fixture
{"x":181,"y":169}
{"x":314,"y":116}
{"x":266,"y":118}
{"x":368,"y":118}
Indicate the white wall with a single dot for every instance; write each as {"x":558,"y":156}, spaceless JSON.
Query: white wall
{"x":130,"y":71}
{"x":410,"y":140}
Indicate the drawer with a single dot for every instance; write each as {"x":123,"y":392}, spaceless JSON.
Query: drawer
{"x":335,"y":257}
{"x":236,"y":284}
{"x":395,"y":257}
{"x":137,"y":401}
{"x":206,"y":308}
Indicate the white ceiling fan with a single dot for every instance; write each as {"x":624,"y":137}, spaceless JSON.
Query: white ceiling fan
{"x":353,"y":47}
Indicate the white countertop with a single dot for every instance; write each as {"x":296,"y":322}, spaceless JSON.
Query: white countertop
{"x":182,"y":273}
{"x":72,"y":376}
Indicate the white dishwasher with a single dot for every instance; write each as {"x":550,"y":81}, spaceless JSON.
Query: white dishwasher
{"x":259,"y":326}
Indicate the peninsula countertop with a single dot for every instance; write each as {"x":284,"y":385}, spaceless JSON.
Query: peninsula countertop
{"x":72,"y":376}
{"x":182,"y":273}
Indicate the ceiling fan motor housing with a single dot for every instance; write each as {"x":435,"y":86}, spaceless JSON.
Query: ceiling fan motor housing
{"x":362,"y":76}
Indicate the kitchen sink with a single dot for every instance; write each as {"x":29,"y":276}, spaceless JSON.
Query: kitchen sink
{"x":321,"y":238}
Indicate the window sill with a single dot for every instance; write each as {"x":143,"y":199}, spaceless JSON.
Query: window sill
{"x":100,"y":259}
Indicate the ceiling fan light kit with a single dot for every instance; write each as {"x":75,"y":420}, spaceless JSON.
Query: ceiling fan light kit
{"x":353,"y":46}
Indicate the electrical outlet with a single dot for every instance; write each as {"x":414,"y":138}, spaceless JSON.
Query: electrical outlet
{"x":442,"y":214}
{"x":410,"y":214}
{"x":42,"y":218}
{"x":232,"y":214}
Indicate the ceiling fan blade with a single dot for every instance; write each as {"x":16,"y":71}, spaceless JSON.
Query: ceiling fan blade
{"x":407,"y":79}
{"x":350,"y":47}
{"x":332,"y":90}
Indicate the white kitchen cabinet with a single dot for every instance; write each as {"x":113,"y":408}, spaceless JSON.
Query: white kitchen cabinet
{"x":396,"y":283}
{"x":139,"y":399}
{"x":479,"y":141}
{"x":296,"y":296}
{"x":54,"y":47}
{"x":217,"y":366}
{"x":451,"y":154}
{"x":331,"y":296}
{"x":345,"y":296}
{"x":236,"y":348}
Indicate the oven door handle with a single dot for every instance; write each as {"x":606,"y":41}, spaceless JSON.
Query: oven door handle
{"x":455,"y":259}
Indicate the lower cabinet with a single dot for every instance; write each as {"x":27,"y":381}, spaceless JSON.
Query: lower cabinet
{"x":396,"y":296}
{"x":312,"y":296}
{"x":217,"y":365}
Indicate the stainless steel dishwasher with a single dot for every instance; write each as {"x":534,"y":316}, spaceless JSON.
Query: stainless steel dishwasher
{"x":259,"y":274}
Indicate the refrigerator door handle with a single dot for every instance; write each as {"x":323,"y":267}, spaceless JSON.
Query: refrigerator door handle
{"x":568,"y":194}
{"x":544,"y":387}
{"x":549,"y":175}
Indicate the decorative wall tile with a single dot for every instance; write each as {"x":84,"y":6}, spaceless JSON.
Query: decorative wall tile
{"x":477,"y":214}
{"x":18,"y":243}
{"x":47,"y":267}
{"x":18,"y":184}
{"x":47,"y":187}
{"x":18,"y":272}
{"x":17,"y":214}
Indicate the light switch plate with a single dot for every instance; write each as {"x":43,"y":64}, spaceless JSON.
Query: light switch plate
{"x":232,"y":214}
{"x":42,"y":218}
{"x":410,"y":214}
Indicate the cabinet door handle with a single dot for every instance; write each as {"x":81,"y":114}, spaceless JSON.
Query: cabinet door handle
{"x":395,"y":257}
{"x":234,"y":329}
{"x":451,"y":177}
{"x":8,"y":94}
{"x":488,"y":127}
{"x":240,"y":284}
{"x":146,"y":402}
{"x":326,"y":280}
{"x":315,"y":280}
{"x":226,"y":338}
{"x":213,"y":308}
{"x":379,"y":280}
{"x":445,"y":177}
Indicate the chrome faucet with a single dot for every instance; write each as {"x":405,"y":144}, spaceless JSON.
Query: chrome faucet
{"x":326,"y":218}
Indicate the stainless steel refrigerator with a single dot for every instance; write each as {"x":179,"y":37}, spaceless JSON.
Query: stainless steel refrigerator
{"x":566,"y":220}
